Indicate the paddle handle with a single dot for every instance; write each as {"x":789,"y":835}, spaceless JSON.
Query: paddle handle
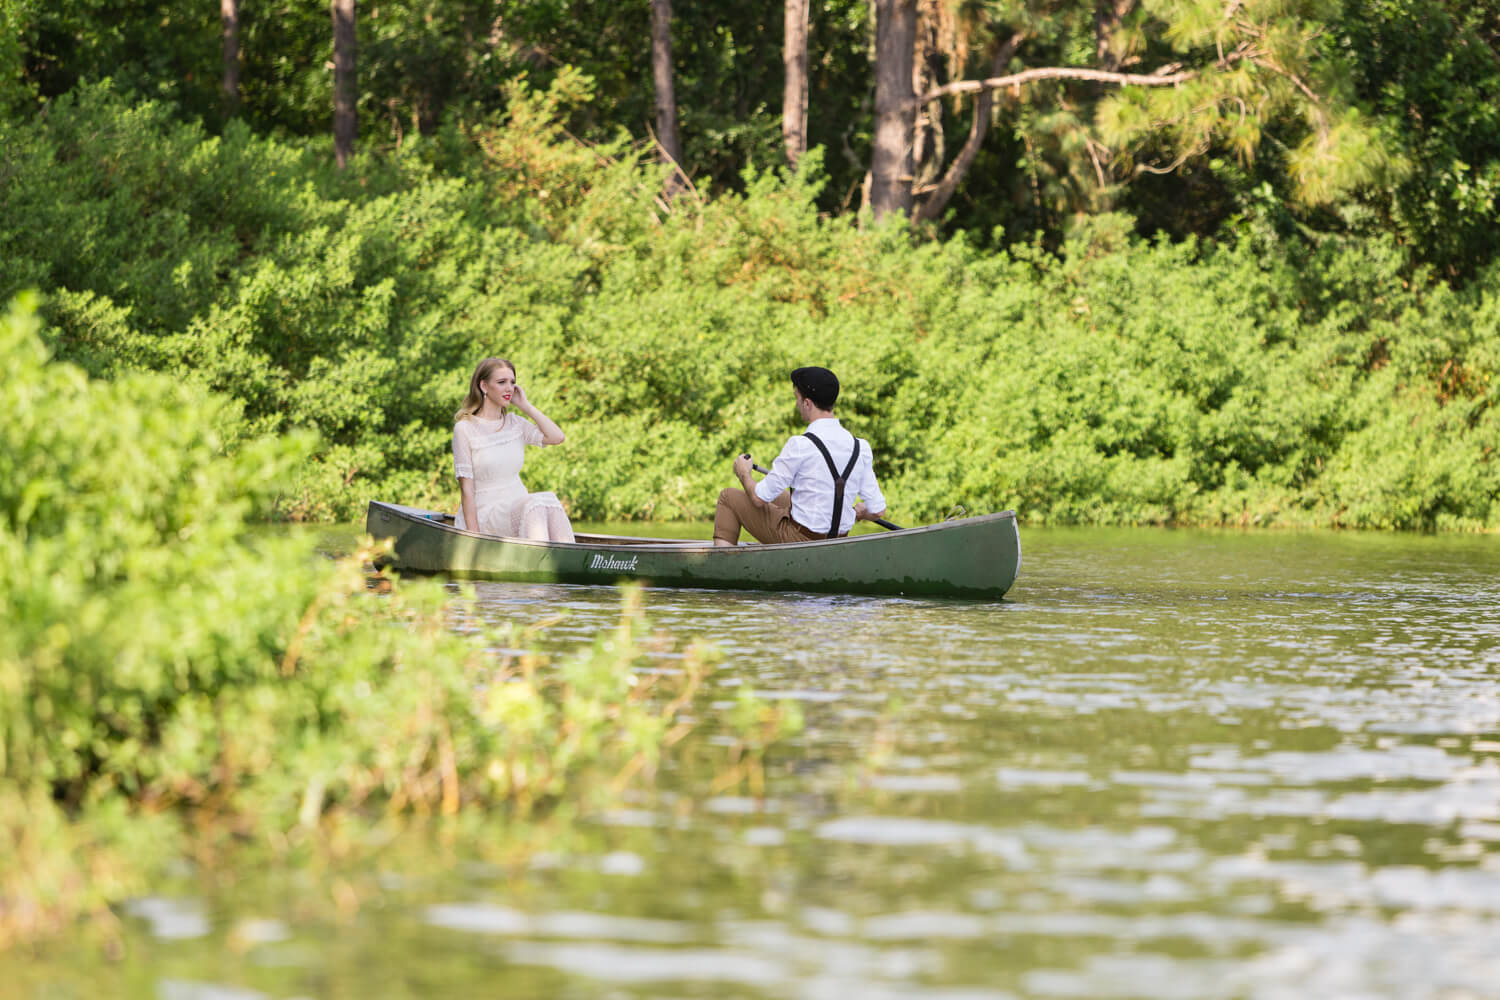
{"x":888,"y":526}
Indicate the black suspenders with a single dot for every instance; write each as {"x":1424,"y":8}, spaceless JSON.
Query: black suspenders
{"x":838,"y":480}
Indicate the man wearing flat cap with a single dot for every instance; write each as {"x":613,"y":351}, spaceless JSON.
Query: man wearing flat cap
{"x":825,"y":469}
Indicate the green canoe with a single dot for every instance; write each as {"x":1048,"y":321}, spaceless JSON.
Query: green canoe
{"x":969,"y":557}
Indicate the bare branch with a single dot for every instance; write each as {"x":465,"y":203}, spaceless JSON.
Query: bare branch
{"x":1157,"y":79}
{"x":679,"y":182}
{"x":1266,"y":64}
{"x":1094,"y":148}
{"x":1053,"y":73}
{"x":1229,"y":13}
{"x":935,"y":198}
{"x":1144,"y":168}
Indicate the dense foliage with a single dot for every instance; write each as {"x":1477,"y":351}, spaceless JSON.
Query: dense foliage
{"x":1264,"y":379}
{"x":422,"y":62}
{"x":1402,"y":109}
{"x":168,"y":677}
{"x":1429,"y":69}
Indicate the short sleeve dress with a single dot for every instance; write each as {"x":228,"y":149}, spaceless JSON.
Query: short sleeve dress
{"x":491,"y":452}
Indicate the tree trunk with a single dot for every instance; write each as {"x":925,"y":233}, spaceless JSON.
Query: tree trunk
{"x":932,"y":202}
{"x":668,"y":145}
{"x":345,"y":81}
{"x":895,"y":106}
{"x":928,"y":141}
{"x":1108,"y":15}
{"x":794,"y":94}
{"x":229,"y":11}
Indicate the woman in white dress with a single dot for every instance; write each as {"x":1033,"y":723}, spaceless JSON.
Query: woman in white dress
{"x":488,"y":450}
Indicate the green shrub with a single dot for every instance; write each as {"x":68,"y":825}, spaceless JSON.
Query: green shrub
{"x":1118,"y":381}
{"x":169,"y":676}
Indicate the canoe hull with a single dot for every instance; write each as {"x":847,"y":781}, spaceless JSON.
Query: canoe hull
{"x":972,"y":557}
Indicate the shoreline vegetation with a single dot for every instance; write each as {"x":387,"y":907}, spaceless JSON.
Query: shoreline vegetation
{"x":1257,"y":379}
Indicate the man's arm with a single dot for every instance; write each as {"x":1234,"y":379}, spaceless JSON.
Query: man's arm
{"x":777,"y":481}
{"x":869,"y":489}
{"x":747,"y":481}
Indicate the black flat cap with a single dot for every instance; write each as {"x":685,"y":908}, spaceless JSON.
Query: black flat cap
{"x":817,"y":384}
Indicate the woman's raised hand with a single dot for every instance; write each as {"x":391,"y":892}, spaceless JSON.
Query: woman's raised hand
{"x":519,"y":400}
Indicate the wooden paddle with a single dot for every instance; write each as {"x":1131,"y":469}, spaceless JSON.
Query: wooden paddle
{"x":888,"y":526}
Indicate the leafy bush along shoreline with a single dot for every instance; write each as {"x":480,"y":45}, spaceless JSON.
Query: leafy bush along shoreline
{"x":1272,"y":378}
{"x":171,"y":681}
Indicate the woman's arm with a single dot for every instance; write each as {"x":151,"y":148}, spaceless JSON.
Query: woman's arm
{"x":551,"y":433}
{"x":463,"y":470}
{"x":466,"y":503}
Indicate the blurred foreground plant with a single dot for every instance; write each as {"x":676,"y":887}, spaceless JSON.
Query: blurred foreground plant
{"x":172,"y":684}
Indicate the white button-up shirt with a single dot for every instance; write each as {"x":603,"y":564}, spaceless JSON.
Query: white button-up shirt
{"x":801,"y":467}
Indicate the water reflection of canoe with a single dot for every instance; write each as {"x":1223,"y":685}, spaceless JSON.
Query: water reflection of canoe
{"x":969,"y":557}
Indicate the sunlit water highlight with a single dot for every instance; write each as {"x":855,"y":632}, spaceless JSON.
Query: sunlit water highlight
{"x":1170,"y":764}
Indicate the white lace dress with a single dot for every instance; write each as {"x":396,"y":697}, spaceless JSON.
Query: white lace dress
{"x":491,"y":453}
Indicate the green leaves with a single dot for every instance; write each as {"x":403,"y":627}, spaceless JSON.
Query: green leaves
{"x":1343,"y":155}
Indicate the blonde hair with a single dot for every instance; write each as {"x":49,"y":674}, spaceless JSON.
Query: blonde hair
{"x":475,"y":399}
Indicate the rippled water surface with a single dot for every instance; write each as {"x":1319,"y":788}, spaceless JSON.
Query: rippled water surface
{"x":1170,"y":764}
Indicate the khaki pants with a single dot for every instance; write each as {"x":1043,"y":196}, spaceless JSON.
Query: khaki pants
{"x":771,"y":523}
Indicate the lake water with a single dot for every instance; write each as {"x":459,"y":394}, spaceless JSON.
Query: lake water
{"x":1170,"y":764}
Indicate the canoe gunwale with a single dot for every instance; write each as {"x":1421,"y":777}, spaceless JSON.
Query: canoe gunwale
{"x":426,"y":520}
{"x":974,"y":557}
